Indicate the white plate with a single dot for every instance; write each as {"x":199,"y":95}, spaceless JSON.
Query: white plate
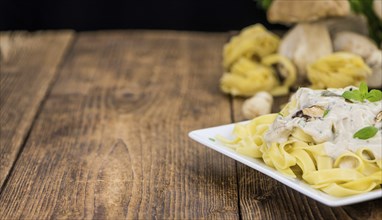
{"x":207,"y":137}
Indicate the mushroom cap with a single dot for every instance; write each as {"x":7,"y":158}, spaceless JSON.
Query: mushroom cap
{"x":293,"y":11}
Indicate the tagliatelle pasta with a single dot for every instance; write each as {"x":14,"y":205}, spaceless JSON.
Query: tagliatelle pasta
{"x":247,"y":77}
{"x":252,"y":42}
{"x":297,"y":153}
{"x":251,"y":64}
{"x":337,"y":70}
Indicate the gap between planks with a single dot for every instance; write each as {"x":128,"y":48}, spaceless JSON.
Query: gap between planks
{"x":24,"y":139}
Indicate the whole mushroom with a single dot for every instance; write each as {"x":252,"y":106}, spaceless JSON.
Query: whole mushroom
{"x":259,"y":104}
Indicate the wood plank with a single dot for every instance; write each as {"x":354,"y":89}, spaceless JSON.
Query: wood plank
{"x":28,"y":64}
{"x":262,"y":197}
{"x":111,"y":140}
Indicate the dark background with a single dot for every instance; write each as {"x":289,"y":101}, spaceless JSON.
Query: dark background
{"x":82,"y":15}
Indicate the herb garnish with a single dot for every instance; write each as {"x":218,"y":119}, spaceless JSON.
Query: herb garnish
{"x":211,"y":139}
{"x":327,"y":93}
{"x":326,"y":112}
{"x":362,"y":93}
{"x":366,"y":133}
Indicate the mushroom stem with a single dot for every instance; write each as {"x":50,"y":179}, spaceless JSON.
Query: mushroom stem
{"x":304,"y":44}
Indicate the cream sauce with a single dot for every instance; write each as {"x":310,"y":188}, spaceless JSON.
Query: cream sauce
{"x":336,"y":128}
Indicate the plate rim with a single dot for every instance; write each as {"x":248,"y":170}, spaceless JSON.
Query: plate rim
{"x":199,"y":136}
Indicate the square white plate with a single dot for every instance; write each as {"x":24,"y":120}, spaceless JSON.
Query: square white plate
{"x":207,"y":137}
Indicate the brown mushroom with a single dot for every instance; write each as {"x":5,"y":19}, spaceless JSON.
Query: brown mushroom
{"x":293,"y":11}
{"x":356,"y":23}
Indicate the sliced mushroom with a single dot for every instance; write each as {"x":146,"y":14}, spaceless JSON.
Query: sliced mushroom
{"x":378,"y":118}
{"x":304,"y":44}
{"x":314,"y":111}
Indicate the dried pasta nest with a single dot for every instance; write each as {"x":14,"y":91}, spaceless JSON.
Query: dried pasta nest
{"x":252,"y":65}
{"x":252,"y":42}
{"x":338,"y":70}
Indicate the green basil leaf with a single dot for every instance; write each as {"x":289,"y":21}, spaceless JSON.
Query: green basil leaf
{"x":362,"y":93}
{"x":353,"y":95}
{"x":357,"y":95}
{"x":347,"y":95}
{"x":374,"y":95}
{"x":366,"y":133}
{"x":363,"y":88}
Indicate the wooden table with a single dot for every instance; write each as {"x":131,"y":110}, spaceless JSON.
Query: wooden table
{"x":95,"y":124}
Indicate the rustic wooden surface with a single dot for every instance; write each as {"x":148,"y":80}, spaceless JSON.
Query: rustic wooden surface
{"x":28,"y":64}
{"x":94,"y":125}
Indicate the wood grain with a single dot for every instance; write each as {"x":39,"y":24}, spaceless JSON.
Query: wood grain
{"x":28,"y":64}
{"x":262,"y":197}
{"x":111,"y":140}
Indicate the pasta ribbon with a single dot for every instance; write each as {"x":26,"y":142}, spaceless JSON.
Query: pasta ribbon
{"x":358,"y":186}
{"x":338,"y":70}
{"x":247,"y":78}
